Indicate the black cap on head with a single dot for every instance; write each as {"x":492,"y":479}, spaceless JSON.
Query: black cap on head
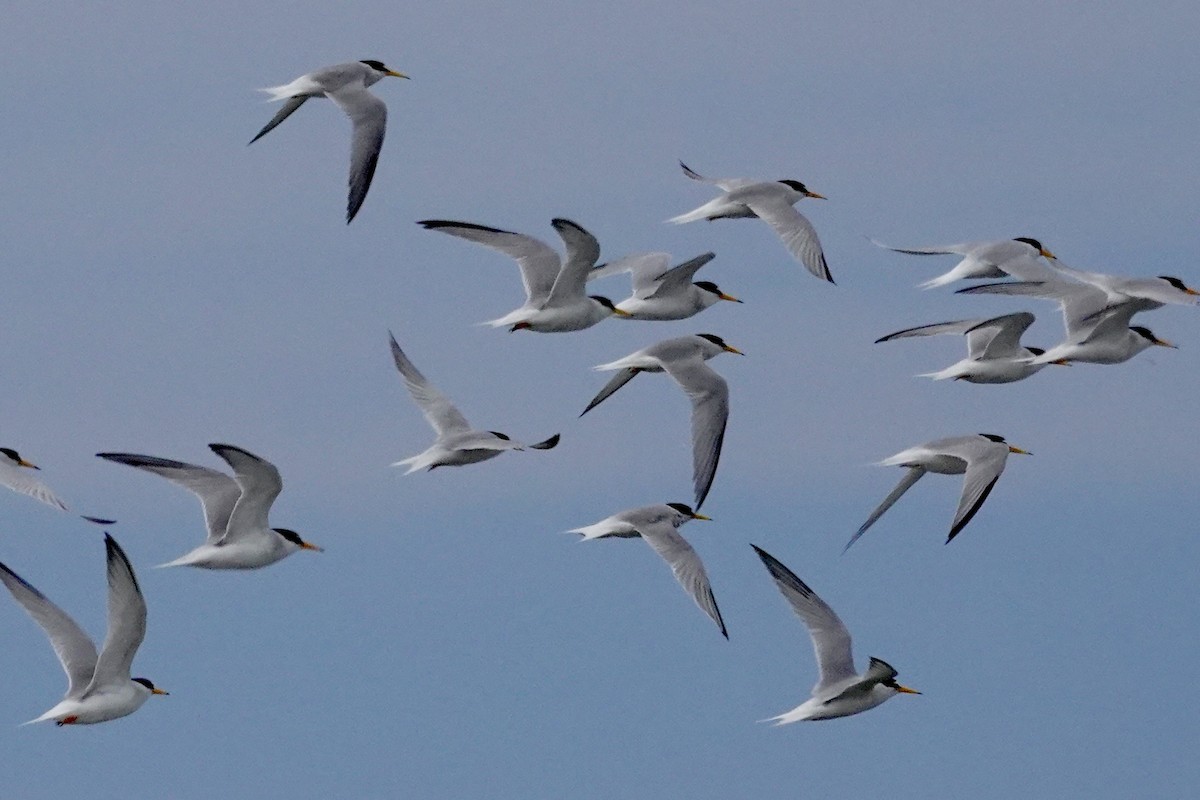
{"x":712,"y":337}
{"x":993,"y":437}
{"x":683,"y":508}
{"x":708,"y":286}
{"x":8,"y":451}
{"x":797,"y":185}
{"x":373,"y":64}
{"x":144,"y":682}
{"x":1178,"y":284}
{"x":290,"y":535}
{"x":1143,"y":332}
{"x":1034,"y":243}
{"x":604,"y":301}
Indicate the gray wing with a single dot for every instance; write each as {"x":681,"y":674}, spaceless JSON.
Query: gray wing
{"x":957,"y":327}
{"x":985,"y":462}
{"x":728,"y":184}
{"x":1079,"y":302}
{"x":687,"y":567}
{"x":126,"y":620}
{"x":217,"y":491}
{"x":797,"y":233}
{"x":72,"y":646}
{"x":538,"y":262}
{"x":582,"y":253}
{"x":21,"y":480}
{"x":999,"y":337}
{"x":286,"y":110}
{"x":369,"y":115}
{"x":935,"y":250}
{"x":912,"y":476}
{"x":645,"y":269}
{"x":709,"y":394}
{"x":622,"y":377}
{"x":831,"y":640}
{"x":261,"y":484}
{"x":680,"y":277}
{"x":436,"y":407}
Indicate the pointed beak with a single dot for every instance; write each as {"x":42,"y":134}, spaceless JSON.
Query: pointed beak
{"x":1062,"y":362}
{"x":701,"y":516}
{"x":731,"y":349}
{"x":158,"y":691}
{"x":395,"y":74}
{"x":905,"y":690}
{"x":728,"y":297}
{"x":1018,"y":450}
{"x":311,"y":546}
{"x":620,"y":312}
{"x":24,"y":463}
{"x":1048,"y":254}
{"x":815,"y":196}
{"x":1165,"y":343}
{"x":1190,"y":291}
{"x":520,"y":326}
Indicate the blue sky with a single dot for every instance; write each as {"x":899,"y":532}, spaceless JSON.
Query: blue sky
{"x":168,"y":286}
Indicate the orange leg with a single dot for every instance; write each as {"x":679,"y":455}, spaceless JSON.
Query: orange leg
{"x":71,"y":720}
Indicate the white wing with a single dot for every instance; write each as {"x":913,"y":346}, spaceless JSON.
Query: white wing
{"x":436,"y":407}
{"x":912,"y":476}
{"x":957,"y":327}
{"x":831,"y":640}
{"x":686,"y":566}
{"x":261,"y":484}
{"x":538,"y":262}
{"x":645,"y":269}
{"x":961,"y":249}
{"x":709,"y":394}
{"x":728,"y":184}
{"x":72,"y":646}
{"x":999,"y":337}
{"x":126,"y":620}
{"x":678,"y":278}
{"x":217,"y":491}
{"x":985,"y":462}
{"x":1080,"y":302}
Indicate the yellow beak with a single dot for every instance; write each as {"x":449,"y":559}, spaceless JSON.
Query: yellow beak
{"x":1048,"y":254}
{"x":728,"y":297}
{"x":395,"y":74}
{"x":158,"y":691}
{"x":24,"y":463}
{"x":1165,"y":343}
{"x":905,"y":690}
{"x":815,"y":195}
{"x":701,"y":516}
{"x":1012,"y":449}
{"x":621,"y":312}
{"x":731,"y":349}
{"x":310,"y":546}
{"x":1062,"y":362}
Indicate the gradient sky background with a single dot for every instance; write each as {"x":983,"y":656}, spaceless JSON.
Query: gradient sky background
{"x":168,"y":287}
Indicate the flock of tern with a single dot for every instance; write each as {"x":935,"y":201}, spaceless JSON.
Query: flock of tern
{"x":1097,"y":310}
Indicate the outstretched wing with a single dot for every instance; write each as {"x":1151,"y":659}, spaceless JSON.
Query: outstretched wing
{"x":217,"y":491}
{"x":436,"y":407}
{"x":126,"y":620}
{"x":686,"y":566}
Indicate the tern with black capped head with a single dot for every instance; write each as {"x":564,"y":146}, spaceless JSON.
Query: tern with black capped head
{"x":994,"y":351}
{"x":99,"y":687}
{"x":663,"y":292}
{"x":659,"y":526}
{"x":346,"y":85}
{"x":683,"y":359}
{"x":554,"y":288}
{"x":980,"y":458}
{"x":235,"y":509}
{"x":991,"y":259}
{"x":770,"y":201}
{"x":840,"y":691}
{"x":457,"y":442}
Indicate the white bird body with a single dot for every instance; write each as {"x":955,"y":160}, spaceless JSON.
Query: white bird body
{"x":985,"y":259}
{"x":994,"y":351}
{"x":346,"y":85}
{"x":457,"y":444}
{"x":99,"y":684}
{"x":979,"y":457}
{"x":235,"y":508}
{"x":659,"y":526}
{"x":662,"y":292}
{"x":770,"y":201}
{"x":840,"y":691}
{"x":554,"y":288}
{"x":683,"y":359}
{"x":14,"y":474}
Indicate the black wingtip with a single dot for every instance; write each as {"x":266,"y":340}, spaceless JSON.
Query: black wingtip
{"x":547,"y":444}
{"x":98,"y":520}
{"x":436,"y":224}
